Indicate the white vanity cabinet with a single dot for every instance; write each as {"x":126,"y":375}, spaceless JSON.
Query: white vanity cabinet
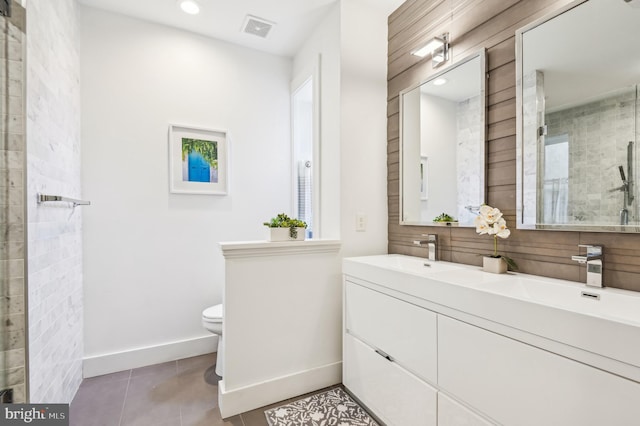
{"x":518,"y":384}
{"x":389,"y":350}
{"x":414,"y":354}
{"x":392,"y":393}
{"x":405,"y":332}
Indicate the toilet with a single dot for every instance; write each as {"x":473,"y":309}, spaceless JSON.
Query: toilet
{"x":212,"y":321}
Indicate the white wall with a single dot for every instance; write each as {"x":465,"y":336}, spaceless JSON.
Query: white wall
{"x":438,"y":124}
{"x":54,"y":229}
{"x":352,"y":44}
{"x":363,"y":126}
{"x":152,"y":260}
{"x":324,"y":43}
{"x":283,"y":325}
{"x":411,"y":179}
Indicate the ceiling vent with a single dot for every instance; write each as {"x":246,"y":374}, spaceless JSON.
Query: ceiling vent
{"x":257,"y":26}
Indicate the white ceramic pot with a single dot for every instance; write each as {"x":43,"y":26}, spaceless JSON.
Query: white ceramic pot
{"x":283,"y":234}
{"x":495,"y":265}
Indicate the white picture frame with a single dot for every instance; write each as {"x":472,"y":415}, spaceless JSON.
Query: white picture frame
{"x":198,"y":160}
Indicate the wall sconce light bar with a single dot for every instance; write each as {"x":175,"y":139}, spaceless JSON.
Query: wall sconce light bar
{"x":428,"y":48}
{"x":437,"y":47}
{"x":439,"y":56}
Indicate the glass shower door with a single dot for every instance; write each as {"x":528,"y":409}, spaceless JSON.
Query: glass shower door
{"x":13,"y":352}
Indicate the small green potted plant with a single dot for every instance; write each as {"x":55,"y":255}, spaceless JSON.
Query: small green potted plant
{"x":284,"y":228}
{"x":445,"y":219}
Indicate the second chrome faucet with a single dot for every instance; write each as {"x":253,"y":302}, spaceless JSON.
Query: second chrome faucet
{"x":431,"y":243}
{"x":593,"y":259}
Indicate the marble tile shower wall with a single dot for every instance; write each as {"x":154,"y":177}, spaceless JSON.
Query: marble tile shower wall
{"x":12,"y":207}
{"x":55,"y":229}
{"x":598,"y":133}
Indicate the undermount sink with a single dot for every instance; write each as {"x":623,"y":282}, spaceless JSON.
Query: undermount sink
{"x":601,"y":321}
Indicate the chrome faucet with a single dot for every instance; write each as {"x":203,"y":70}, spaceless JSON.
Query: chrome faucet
{"x":593,"y":258}
{"x":432,"y":245}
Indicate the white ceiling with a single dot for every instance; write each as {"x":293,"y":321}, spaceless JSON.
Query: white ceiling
{"x":585,"y":53}
{"x":464,"y":81}
{"x":223,"y":19}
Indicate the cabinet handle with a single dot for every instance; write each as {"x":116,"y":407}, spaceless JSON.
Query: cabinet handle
{"x":384,"y":355}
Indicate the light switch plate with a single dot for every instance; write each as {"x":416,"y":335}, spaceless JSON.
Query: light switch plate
{"x":361,"y":222}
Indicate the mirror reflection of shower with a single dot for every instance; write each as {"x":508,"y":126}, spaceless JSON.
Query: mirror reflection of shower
{"x":627,"y":186}
{"x":586,"y":163}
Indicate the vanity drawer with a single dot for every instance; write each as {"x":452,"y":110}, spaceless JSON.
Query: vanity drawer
{"x":518,"y":384}
{"x":393,"y":394}
{"x":405,"y":332}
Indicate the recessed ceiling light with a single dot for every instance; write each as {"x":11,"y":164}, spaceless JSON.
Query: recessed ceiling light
{"x":439,"y":81}
{"x":189,"y":6}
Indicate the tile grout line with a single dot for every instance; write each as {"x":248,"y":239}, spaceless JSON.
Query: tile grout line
{"x":124,"y":400}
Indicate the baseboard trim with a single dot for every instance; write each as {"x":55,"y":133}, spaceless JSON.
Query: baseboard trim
{"x":140,"y":357}
{"x":249,"y":398}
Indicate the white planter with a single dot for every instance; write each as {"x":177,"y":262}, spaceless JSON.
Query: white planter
{"x":283,"y":234}
{"x":495,"y":265}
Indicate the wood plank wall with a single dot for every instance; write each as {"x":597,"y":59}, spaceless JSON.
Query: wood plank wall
{"x":473,"y":24}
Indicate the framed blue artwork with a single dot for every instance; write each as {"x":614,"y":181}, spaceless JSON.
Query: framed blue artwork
{"x":198,"y":162}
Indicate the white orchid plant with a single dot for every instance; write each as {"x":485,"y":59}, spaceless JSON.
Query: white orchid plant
{"x":490,"y":221}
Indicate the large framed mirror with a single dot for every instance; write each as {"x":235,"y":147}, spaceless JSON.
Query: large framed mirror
{"x":577,"y":118}
{"x":442,"y":145}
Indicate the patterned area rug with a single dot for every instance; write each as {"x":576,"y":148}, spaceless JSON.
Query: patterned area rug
{"x":331,"y":408}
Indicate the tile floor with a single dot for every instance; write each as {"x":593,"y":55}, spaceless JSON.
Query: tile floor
{"x":176,"y":393}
